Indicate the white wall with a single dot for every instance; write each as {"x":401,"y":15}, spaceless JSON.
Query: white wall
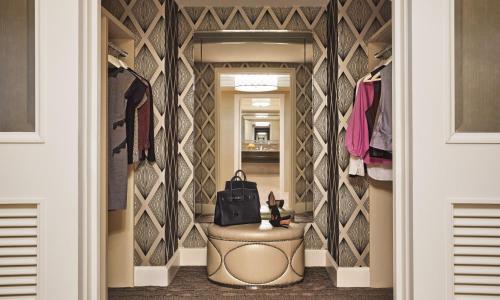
{"x":249,"y":130}
{"x":275,"y":130}
{"x":226,"y":136}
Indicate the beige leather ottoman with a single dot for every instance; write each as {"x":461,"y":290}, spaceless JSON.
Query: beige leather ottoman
{"x":255,"y":254}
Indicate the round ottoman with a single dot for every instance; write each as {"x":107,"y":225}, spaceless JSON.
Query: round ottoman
{"x":255,"y":254}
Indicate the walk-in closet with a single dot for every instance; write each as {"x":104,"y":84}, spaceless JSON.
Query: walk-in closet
{"x":369,"y":142}
{"x":126,"y":141}
{"x":252,"y":88}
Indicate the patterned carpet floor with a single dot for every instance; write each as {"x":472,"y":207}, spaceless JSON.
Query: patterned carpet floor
{"x":192,"y":283}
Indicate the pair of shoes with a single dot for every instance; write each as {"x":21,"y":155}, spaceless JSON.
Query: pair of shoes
{"x":276,"y":219}
{"x":280,"y":202}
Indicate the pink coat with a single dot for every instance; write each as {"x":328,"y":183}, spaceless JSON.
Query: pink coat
{"x":357,"y":138}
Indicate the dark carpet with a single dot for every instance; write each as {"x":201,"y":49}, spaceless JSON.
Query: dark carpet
{"x":192,"y":282}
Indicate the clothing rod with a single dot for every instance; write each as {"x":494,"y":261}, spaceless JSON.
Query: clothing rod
{"x":121,"y":52}
{"x":381,"y":53}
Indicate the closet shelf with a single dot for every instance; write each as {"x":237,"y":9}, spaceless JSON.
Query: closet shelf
{"x":116,"y":29}
{"x":383,"y":35}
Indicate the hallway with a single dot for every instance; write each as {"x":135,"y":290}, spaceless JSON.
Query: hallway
{"x":192,"y":283}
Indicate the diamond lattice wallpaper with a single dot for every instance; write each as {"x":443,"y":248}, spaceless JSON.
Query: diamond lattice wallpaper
{"x":357,"y":21}
{"x":332,"y":73}
{"x":191,"y":19}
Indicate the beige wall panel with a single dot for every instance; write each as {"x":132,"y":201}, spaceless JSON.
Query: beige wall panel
{"x":380,"y":234}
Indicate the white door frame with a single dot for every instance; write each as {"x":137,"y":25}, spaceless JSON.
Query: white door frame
{"x":90,"y":281}
{"x":402,"y":142}
{"x":91,"y":286}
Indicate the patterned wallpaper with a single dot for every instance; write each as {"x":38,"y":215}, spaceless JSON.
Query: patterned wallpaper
{"x":205,"y":137}
{"x":191,"y":19}
{"x":146,"y":19}
{"x":332,"y":118}
{"x":357,"y":21}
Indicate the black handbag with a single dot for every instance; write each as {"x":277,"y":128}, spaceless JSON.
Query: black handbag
{"x":237,"y":204}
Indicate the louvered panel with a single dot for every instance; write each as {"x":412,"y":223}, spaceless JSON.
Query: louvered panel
{"x":477,"y":241}
{"x":475,"y":231}
{"x":20,"y":297}
{"x":474,"y":297}
{"x":477,"y":289}
{"x":17,"y":222}
{"x":477,"y":270}
{"x":477,"y":222}
{"x":491,"y":251}
{"x":476,"y":249}
{"x":18,"y":231}
{"x":488,"y":211}
{"x":477,"y":260}
{"x":18,"y":290}
{"x":14,"y":271}
{"x":18,"y":251}
{"x":18,"y":241}
{"x":18,"y":261}
{"x":17,"y":280}
{"x":18,"y":212}
{"x":471,"y":279}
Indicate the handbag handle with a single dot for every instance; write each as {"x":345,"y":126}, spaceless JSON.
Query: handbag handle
{"x":241,"y":172}
{"x":234,"y":179}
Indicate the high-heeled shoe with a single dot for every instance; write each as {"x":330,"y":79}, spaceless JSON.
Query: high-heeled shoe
{"x":279,"y":202}
{"x":276,"y":219}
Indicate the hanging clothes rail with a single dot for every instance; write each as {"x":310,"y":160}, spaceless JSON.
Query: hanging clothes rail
{"x":121,"y":52}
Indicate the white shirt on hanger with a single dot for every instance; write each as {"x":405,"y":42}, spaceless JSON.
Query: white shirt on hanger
{"x":380,"y":172}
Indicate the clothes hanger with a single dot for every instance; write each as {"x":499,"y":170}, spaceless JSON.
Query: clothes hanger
{"x":375,"y":74}
{"x":118,"y":63}
{"x":121,"y":53}
{"x":383,"y":52}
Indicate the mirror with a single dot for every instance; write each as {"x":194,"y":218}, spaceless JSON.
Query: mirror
{"x":254,"y":113}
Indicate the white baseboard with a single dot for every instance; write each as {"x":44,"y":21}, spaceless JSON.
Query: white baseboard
{"x":331,"y":267}
{"x":353,"y":277}
{"x":315,"y":258}
{"x":198,"y":257}
{"x":157,"y":275}
{"x":163,"y":275}
{"x":193,"y":256}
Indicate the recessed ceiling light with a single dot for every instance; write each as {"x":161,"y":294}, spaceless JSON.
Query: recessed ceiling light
{"x":261,"y":102}
{"x":255,"y":83}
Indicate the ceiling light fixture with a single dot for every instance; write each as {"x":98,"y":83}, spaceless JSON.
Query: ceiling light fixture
{"x":261,"y":116}
{"x":261,"y":102}
{"x":255,"y":83}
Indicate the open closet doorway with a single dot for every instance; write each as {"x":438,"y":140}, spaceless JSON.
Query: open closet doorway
{"x":196,"y":226}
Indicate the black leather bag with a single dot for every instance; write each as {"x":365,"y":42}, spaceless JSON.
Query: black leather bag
{"x":237,"y":204}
